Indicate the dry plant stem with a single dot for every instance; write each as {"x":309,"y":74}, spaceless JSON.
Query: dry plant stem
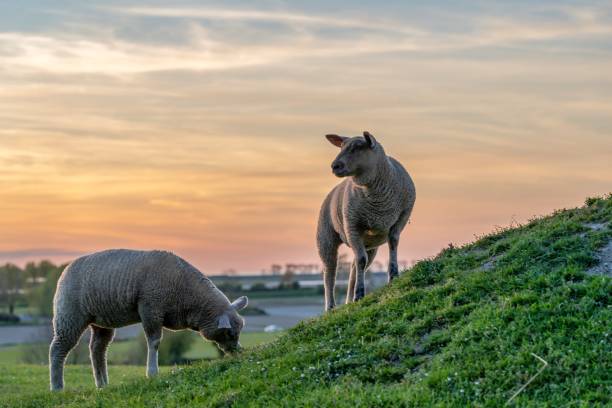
{"x":531,"y":379}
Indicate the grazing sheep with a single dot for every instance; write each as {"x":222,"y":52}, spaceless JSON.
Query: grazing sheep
{"x":367,"y":209}
{"x":120,"y":287}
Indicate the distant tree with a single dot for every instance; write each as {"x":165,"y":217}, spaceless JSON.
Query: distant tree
{"x":172,"y":348}
{"x":11,"y":286}
{"x":276,"y":269}
{"x":41,"y":297}
{"x":289,"y":281}
{"x":175,"y":345}
{"x":46,"y":268}
{"x":31,"y":272}
{"x":37,"y":273}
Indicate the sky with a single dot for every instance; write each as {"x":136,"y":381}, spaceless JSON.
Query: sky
{"x":198,"y":127}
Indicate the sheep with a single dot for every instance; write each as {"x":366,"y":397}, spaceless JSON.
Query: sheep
{"x":116,"y":288}
{"x":370,"y":207}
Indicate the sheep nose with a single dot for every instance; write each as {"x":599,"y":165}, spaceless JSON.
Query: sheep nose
{"x":337,"y":166}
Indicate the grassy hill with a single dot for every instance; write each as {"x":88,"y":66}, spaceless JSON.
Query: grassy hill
{"x":462,"y":329}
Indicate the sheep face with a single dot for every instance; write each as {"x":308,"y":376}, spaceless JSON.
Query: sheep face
{"x":226,"y":338}
{"x":226,"y":333}
{"x":357,"y":155}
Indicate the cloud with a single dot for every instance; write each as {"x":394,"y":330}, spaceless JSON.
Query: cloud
{"x":220,"y":49}
{"x":257,"y":15}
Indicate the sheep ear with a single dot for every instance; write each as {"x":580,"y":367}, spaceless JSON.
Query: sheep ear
{"x":224,"y":322}
{"x":370,"y":139}
{"x":240,"y":303}
{"x":336,"y":140}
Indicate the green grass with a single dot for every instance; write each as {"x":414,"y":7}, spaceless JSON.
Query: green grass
{"x":118,"y":349}
{"x":457,"y":330}
{"x":19,"y":381}
{"x":10,"y":354}
{"x":13,"y":354}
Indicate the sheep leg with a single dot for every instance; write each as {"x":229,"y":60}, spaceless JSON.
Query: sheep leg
{"x":393,"y":271}
{"x":394,"y":237}
{"x":351,"y":283}
{"x":153,"y":341}
{"x":328,"y":243}
{"x":66,"y":335}
{"x":98,"y":344}
{"x":350,"y":291}
{"x":329,"y":274}
{"x":154,"y":336}
{"x":361,"y":263}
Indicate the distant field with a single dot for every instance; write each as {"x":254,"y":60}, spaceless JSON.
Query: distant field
{"x":271,"y":294}
{"x":200,"y":350}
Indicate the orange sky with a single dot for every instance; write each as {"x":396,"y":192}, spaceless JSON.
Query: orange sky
{"x":204,"y":136}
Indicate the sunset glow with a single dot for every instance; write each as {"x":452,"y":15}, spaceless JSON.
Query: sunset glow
{"x":200,"y":128}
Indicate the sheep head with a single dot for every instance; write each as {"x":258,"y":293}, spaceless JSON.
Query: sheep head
{"x":226,"y":331}
{"x":357,"y":156}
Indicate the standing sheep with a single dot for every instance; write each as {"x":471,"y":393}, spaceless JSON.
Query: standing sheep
{"x":367,"y":209}
{"x":120,"y":287}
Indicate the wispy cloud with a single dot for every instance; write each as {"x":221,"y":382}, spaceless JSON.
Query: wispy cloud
{"x":111,"y":55}
{"x":116,"y":57}
{"x":258,"y":15}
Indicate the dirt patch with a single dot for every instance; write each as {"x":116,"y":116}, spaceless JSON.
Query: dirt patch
{"x":596,"y":226}
{"x":604,"y":268}
{"x":489,"y":265}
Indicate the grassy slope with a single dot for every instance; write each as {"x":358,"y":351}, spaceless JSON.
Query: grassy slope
{"x":449,"y":332}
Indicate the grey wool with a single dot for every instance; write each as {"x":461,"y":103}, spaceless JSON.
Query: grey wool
{"x":369,"y":208}
{"x":116,"y":288}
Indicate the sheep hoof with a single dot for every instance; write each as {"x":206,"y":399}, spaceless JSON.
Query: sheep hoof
{"x":359,"y":293}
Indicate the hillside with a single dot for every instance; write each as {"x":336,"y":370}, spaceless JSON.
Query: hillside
{"x":461,"y":329}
